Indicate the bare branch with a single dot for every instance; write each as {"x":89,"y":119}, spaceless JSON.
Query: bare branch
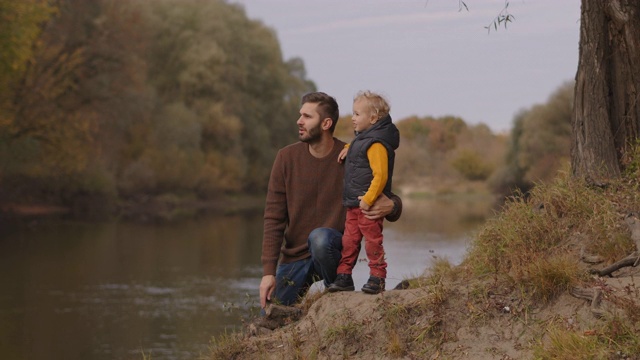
{"x":503,"y":18}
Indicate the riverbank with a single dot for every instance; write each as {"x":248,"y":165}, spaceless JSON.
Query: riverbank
{"x":532,"y":286}
{"x":161,"y":208}
{"x":171,"y":207}
{"x":444,"y":318}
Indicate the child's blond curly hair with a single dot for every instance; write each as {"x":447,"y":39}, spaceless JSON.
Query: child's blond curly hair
{"x":378,"y":104}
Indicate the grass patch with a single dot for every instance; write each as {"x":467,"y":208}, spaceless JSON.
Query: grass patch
{"x":529,"y":241}
{"x":548,"y":277}
{"x":345,"y":332}
{"x":616,"y":338}
{"x":227,"y":346}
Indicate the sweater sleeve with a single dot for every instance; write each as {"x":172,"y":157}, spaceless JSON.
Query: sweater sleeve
{"x":275,"y":218}
{"x":379,"y":162}
{"x":397,"y":209}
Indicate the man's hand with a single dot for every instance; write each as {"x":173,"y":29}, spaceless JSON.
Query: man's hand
{"x":382,"y":207}
{"x":267,"y":285}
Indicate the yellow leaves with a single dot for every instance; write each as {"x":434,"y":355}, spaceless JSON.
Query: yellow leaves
{"x":52,"y":73}
{"x":221,"y":173}
{"x":471,"y":165}
{"x":44,"y":113}
{"x":5,"y":120}
{"x":221,"y":130}
{"x":66,"y":147}
{"x":20,"y":25}
{"x":174,"y":95}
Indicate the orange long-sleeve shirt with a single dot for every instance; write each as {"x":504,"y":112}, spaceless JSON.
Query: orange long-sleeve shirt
{"x":379,"y":163}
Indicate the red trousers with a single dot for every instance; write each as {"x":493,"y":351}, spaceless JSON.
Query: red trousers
{"x":355,"y":228}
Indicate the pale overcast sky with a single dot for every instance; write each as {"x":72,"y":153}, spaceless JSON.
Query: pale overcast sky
{"x":426,"y":56}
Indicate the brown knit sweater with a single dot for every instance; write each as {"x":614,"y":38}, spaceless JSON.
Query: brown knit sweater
{"x":304,"y":193}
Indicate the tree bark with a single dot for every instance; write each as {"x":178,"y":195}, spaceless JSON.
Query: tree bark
{"x":606,"y":114}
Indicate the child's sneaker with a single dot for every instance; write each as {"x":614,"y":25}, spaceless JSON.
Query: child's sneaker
{"x":374,"y":285}
{"x":344,"y":282}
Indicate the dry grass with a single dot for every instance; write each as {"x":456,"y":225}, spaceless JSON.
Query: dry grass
{"x":529,"y":242}
{"x":614,"y":338}
{"x":227,"y":346}
{"x":536,"y":245}
{"x":570,"y":345}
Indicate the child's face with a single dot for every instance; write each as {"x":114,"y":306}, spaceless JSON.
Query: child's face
{"x":363,"y":116}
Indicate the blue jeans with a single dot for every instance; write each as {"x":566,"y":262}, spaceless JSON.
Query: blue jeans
{"x":294,"y":279}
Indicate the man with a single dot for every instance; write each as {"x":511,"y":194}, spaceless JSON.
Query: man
{"x":304,"y":207}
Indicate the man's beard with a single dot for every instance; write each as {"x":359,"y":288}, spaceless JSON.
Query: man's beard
{"x":313,"y":135}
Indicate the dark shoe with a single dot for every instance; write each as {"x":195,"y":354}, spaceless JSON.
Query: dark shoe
{"x":375,"y":285}
{"x":344,"y":282}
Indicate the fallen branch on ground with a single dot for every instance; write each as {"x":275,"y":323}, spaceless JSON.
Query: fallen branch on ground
{"x":631,"y":260}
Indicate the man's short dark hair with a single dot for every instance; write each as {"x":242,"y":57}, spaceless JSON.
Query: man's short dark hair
{"x":327,"y":106}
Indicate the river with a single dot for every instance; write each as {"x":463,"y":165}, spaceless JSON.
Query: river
{"x":119,"y":290}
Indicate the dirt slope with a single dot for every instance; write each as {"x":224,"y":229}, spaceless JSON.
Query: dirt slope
{"x":452,"y":319}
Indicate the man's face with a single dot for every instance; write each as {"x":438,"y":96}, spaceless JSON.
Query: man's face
{"x":309,"y":123}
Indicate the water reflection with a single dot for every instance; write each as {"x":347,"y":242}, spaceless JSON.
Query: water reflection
{"x":107,"y":291}
{"x":453,"y":215}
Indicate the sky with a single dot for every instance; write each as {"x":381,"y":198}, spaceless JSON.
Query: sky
{"x":431,"y":57}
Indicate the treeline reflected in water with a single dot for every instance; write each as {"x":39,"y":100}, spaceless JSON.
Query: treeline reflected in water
{"x":105,"y":291}
{"x":450,"y":215}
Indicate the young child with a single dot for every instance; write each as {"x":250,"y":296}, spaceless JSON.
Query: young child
{"x":368,"y":171}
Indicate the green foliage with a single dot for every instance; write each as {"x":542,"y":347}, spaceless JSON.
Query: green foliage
{"x":440,"y":135}
{"x":471,"y":165}
{"x":539,"y":143}
{"x":631,"y":160}
{"x":68,"y":103}
{"x":227,"y":70}
{"x":414,"y":128}
{"x":445,"y":149}
{"x":167,"y":96}
{"x":20,"y":26}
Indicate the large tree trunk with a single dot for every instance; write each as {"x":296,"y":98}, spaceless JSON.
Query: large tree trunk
{"x":606,"y":114}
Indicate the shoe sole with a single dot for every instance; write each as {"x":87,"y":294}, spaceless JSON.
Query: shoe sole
{"x":338,"y":288}
{"x":371,"y":291}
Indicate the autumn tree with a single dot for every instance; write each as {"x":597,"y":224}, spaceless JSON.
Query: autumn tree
{"x":539,"y":143}
{"x":73,"y":105}
{"x":20,"y":26}
{"x":446,"y":149}
{"x":39,"y":136}
{"x":225,"y":98}
{"x":131,"y":99}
